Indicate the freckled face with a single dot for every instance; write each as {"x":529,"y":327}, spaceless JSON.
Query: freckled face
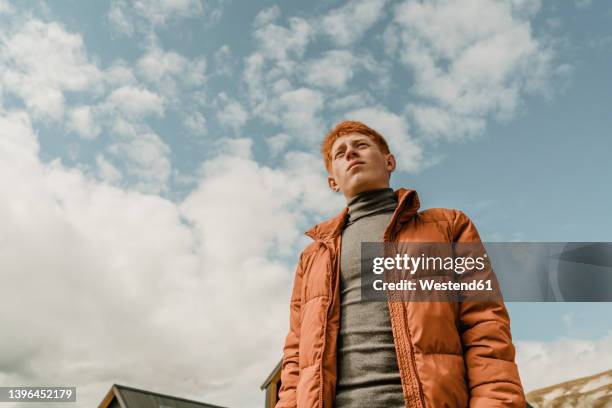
{"x":358,"y":165}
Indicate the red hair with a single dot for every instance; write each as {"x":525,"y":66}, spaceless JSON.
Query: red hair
{"x":344,"y":128}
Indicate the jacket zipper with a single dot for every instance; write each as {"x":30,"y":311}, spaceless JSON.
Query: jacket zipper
{"x":413,"y":379}
{"x":332,"y":263}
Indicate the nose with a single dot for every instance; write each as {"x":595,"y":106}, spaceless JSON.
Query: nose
{"x":350,"y":152}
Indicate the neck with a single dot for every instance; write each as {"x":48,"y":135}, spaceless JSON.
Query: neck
{"x":371,"y":202}
{"x":349,"y":197}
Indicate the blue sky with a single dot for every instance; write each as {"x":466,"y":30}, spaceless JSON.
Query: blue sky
{"x":159,"y":163}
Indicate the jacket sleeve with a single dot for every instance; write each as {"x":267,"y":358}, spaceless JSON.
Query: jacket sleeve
{"x":492,"y":375}
{"x":290,"y":364}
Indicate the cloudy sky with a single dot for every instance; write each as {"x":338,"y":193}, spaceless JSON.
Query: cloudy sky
{"x":159,"y":164}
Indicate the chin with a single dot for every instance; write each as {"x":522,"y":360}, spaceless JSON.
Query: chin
{"x":361,"y":181}
{"x":360,"y":188}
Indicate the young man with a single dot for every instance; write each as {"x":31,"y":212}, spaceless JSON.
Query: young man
{"x":343,"y":352}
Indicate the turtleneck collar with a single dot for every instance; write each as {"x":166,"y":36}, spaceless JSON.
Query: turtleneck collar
{"x":407,"y":206}
{"x":371,"y":202}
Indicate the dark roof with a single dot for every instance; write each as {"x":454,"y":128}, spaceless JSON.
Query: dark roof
{"x":267,"y":381}
{"x":129,"y":397}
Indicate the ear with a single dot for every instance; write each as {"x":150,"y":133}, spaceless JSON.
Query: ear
{"x":391,"y":163}
{"x":332,"y":183}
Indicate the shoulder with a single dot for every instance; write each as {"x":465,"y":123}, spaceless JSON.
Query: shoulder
{"x":310,"y":249}
{"x":450,"y":215}
{"x":309,"y":254}
{"x":459,"y":226}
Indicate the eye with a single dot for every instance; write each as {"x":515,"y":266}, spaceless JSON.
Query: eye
{"x":338,"y":154}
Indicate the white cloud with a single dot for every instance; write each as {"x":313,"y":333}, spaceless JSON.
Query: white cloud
{"x":82,"y":121}
{"x":5,"y":7}
{"x":146,"y":158}
{"x":18,"y":142}
{"x":41,"y":61}
{"x":433,"y":120}
{"x":159,"y":11}
{"x":125,"y":16}
{"x":119,"y":74}
{"x":219,"y":195}
{"x":269,"y":69}
{"x":279,"y":43}
{"x":300,"y":114}
{"x":167,"y":71}
{"x":104,"y":236}
{"x":273,"y":69}
{"x":195,"y":73}
{"x":333,"y":70}
{"x":266,"y":16}
{"x":307,"y":176}
{"x":472,"y":61}
{"x":169,"y":277}
{"x":195,"y":123}
{"x":135,"y":102}
{"x":547,"y":363}
{"x":278,"y":143}
{"x":231,"y":114}
{"x":352,"y":101}
{"x":282,"y":84}
{"x":118,"y":18}
{"x":126,"y":128}
{"x":46,"y":66}
{"x":106,"y":170}
{"x":254,"y":77}
{"x":224,"y":61}
{"x":274,"y":99}
{"x":158,"y":66}
{"x":408,"y":153}
{"x":235,"y":147}
{"x":349,"y":23}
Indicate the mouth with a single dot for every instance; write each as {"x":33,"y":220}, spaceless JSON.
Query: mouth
{"x":355,"y":163}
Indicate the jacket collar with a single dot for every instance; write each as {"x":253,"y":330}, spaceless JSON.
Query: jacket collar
{"x":408,"y":204}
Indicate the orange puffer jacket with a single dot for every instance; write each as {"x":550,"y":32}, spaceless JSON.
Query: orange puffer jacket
{"x":450,"y":354}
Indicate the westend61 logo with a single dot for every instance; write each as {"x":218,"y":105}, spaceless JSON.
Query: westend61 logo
{"x":512,"y":271}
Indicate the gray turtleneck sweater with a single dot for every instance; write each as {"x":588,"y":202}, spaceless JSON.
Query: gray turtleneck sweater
{"x":368,"y":374}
